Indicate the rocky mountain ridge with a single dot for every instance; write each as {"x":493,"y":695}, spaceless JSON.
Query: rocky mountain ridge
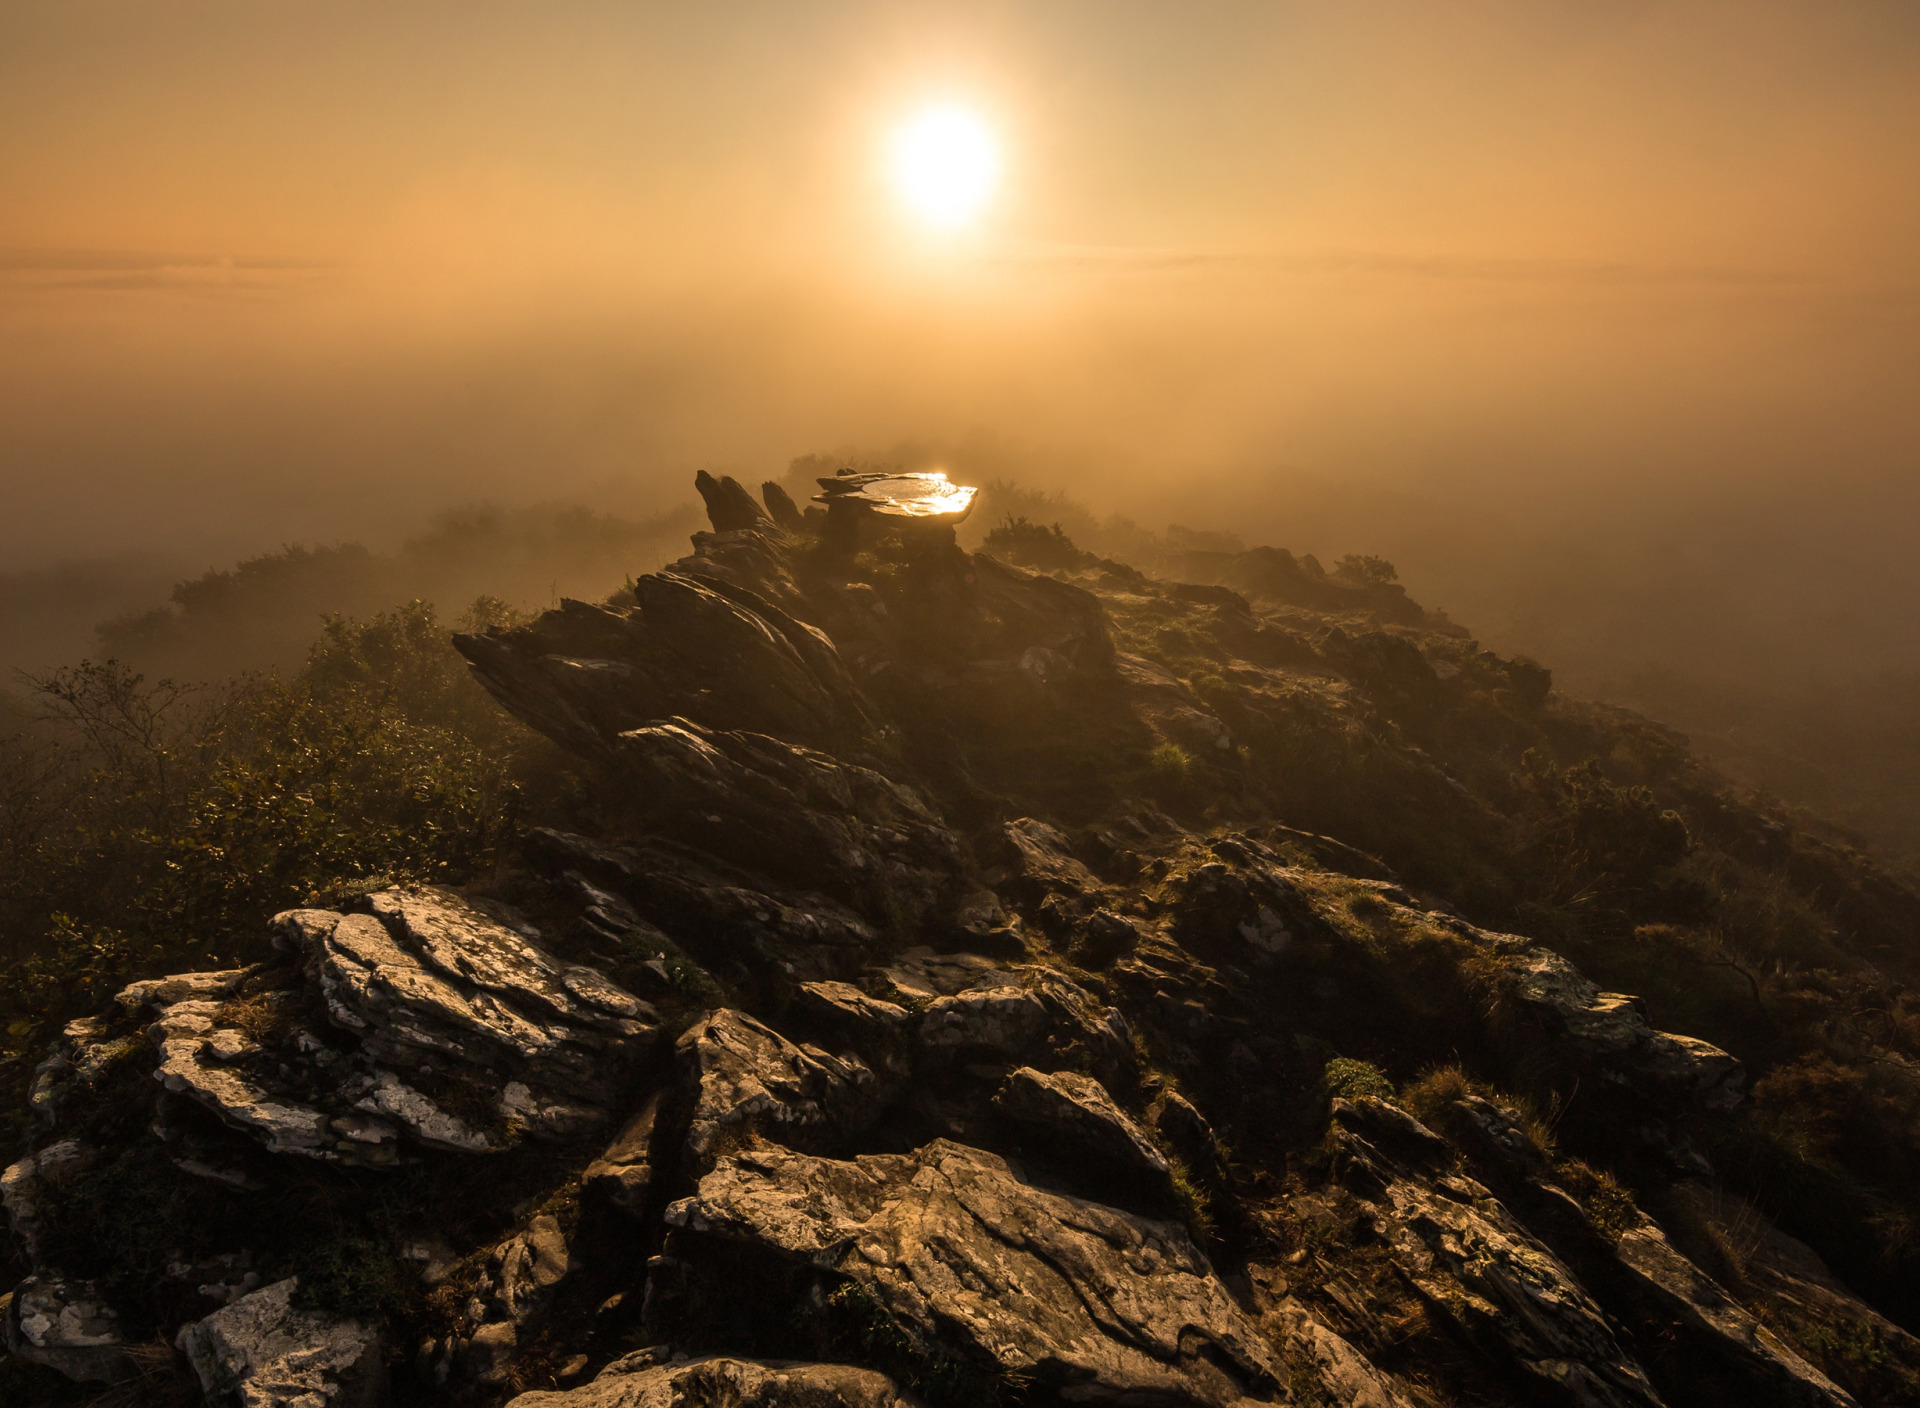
{"x":963,"y":984}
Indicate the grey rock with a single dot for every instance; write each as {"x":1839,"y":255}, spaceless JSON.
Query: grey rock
{"x":25,"y":1186}
{"x":919,"y":974}
{"x":179,"y":987}
{"x":1472,"y":1262}
{"x":76,"y":1061}
{"x":980,"y":920}
{"x":701,"y":649}
{"x":1079,"y":1023}
{"x":1020,"y":611}
{"x":529,"y":1266}
{"x":428,"y":978}
{"x":1608,"y":1034}
{"x":65,"y":1324}
{"x":721,"y":915}
{"x":746,"y":1077}
{"x":623,"y":1174}
{"x":1046,"y":862}
{"x":1001,"y":1023}
{"x":1748,"y":1350}
{"x":730,"y":507}
{"x":426,"y":989}
{"x":1334,"y":1370}
{"x":1184,"y":1129}
{"x":794,"y":814}
{"x":1077,"y":1115}
{"x":849,"y":1011}
{"x":183,"y":1033}
{"x":782,"y":509}
{"x":262,"y":1352}
{"x":1802,"y":1296}
{"x":726,"y":1383}
{"x":968,"y":1259}
{"x":1653,"y":1276}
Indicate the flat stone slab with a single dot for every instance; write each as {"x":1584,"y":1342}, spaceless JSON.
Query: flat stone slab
{"x":929,"y":497}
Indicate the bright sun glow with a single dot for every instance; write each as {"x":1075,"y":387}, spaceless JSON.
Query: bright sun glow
{"x":945,"y":164}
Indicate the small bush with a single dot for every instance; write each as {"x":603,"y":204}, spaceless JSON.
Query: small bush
{"x":1170,"y":764}
{"x":1026,"y":544}
{"x":1346,"y":1079}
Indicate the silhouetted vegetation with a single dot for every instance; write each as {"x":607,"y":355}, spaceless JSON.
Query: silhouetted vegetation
{"x":150,"y":826}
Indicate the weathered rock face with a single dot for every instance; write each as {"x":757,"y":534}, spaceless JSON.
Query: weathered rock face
{"x":424,"y":994}
{"x":744,"y":1077}
{"x":507,"y":1303}
{"x":66,"y":1325}
{"x":1078,"y":1116}
{"x":968,"y":1260}
{"x":1469,"y":1258}
{"x":730,"y":507}
{"x":722,"y":916}
{"x":1721,"y":1326}
{"x":1802,"y":1295}
{"x":1330,"y":1366}
{"x":720,"y":1382}
{"x":27,"y":1184}
{"x":795,"y":814}
{"x":1608,"y":1034}
{"x":703,"y":650}
{"x":623,"y":1175}
{"x":1046,"y":626}
{"x":263,"y":1352}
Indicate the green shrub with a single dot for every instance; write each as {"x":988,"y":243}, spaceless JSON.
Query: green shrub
{"x":1346,"y":1079}
{"x":149,"y":826}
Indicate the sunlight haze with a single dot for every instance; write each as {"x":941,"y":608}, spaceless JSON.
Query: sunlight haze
{"x":1550,"y":303}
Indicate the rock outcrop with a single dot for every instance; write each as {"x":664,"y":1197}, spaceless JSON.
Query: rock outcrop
{"x":1471,"y":1260}
{"x":67,"y":1325}
{"x":264,"y":1352}
{"x":795,"y":814}
{"x":1079,"y":1117}
{"x":973,"y":1264}
{"x":422,"y":1001}
{"x":744,"y":1077}
{"x":698,"y":649}
{"x":720,"y":1382}
{"x":910,"y":1000}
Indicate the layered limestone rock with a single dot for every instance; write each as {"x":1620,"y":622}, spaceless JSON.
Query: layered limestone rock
{"x":424,"y":1001}
{"x":798,"y":815}
{"x":639,"y":1381}
{"x":1102,"y":1305}
{"x":1473,"y":1262}
{"x":743,"y":1077}
{"x":723,"y":915}
{"x":1079,"y":1117}
{"x":1607,"y":1033}
{"x":699,"y":649}
{"x":968,"y":976}
{"x":262,"y":1351}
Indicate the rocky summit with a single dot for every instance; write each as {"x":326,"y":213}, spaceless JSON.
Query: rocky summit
{"x":1003,"y":977}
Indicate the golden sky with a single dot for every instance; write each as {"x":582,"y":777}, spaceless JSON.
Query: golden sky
{"x":288,"y":269}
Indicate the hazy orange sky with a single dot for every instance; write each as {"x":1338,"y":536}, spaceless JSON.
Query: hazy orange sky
{"x":297,"y":270}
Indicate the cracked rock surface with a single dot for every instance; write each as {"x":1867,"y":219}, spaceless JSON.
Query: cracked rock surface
{"x":1103,"y":1304}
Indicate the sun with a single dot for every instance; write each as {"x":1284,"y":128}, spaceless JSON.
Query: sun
{"x":946,"y":165}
